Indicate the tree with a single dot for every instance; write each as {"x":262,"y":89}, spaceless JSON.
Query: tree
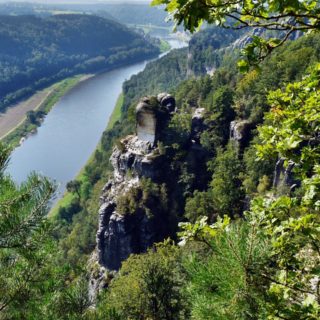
{"x":223,"y":283}
{"x":31,"y":117}
{"x":24,"y":240}
{"x":199,"y":205}
{"x":226,"y":185}
{"x":220,"y":107}
{"x":268,"y":268}
{"x":284,"y":17}
{"x":148,"y":286}
{"x":74,"y":186}
{"x":73,"y":302}
{"x":291,"y":128}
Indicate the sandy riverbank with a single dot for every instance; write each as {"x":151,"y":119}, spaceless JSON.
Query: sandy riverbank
{"x":16,"y":114}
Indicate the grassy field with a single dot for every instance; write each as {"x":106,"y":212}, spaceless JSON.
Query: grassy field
{"x":116,"y":113}
{"x":21,"y":127}
{"x":164,"y":45}
{"x":149,"y":27}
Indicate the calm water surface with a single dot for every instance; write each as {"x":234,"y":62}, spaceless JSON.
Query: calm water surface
{"x":72,"y":129}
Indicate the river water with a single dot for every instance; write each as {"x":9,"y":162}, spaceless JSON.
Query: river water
{"x":72,"y":130}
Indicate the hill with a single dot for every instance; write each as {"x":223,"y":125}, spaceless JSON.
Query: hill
{"x":37,"y":51}
{"x":127,"y":13}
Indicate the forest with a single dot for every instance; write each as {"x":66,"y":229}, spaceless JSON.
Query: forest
{"x":245,"y":229}
{"x":37,"y":52}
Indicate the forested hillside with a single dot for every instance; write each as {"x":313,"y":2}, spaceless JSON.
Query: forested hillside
{"x":141,"y":14}
{"x":38,"y":51}
{"x":204,"y":46}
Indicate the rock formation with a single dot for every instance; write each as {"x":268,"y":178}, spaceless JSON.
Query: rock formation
{"x":284,"y":177}
{"x":122,"y":233}
{"x":141,"y":204}
{"x":240,"y":132}
{"x":152,"y":115}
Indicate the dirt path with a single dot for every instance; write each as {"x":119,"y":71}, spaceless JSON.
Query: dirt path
{"x":16,"y":114}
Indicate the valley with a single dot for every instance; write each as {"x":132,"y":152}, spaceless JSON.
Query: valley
{"x":180,"y":180}
{"x":71,"y":131}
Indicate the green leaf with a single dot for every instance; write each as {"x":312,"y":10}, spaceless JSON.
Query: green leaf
{"x":243,"y":66}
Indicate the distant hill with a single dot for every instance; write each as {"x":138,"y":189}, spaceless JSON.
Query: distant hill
{"x":127,"y":13}
{"x":141,"y":14}
{"x":36,"y":51}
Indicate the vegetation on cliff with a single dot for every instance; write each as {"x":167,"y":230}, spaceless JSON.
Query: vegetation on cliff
{"x":233,"y":177}
{"x":248,"y":244}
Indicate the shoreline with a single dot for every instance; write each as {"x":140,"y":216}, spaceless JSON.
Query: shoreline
{"x":21,"y":128}
{"x":22,"y":106}
{"x":67,"y":197}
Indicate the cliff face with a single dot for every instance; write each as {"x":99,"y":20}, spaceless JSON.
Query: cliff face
{"x":133,"y":212}
{"x":141,"y":204}
{"x":122,"y":233}
{"x":144,"y":201}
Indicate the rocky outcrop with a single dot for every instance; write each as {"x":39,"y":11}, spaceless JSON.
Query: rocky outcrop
{"x":198,"y":125}
{"x":122,"y":233}
{"x":247,"y":38}
{"x":152,"y":115}
{"x":140,"y":205}
{"x":240,"y":132}
{"x":284,"y":177}
{"x":137,"y":157}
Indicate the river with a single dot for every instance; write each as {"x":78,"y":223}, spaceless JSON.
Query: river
{"x":73,"y":128}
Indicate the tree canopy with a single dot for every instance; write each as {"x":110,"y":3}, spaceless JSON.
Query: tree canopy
{"x":281,"y":17}
{"x":24,"y":240}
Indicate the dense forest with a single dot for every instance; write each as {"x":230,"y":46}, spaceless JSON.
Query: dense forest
{"x":38,"y":51}
{"x":245,"y":233}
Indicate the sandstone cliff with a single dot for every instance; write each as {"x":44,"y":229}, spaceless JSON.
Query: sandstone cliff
{"x":132,"y":216}
{"x":144,"y":200}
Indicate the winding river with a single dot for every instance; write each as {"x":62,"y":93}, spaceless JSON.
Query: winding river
{"x":71,"y":131}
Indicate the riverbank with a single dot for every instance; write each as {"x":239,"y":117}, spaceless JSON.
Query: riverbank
{"x":70,"y":136}
{"x":23,"y":119}
{"x":68,"y":197}
{"x":15,"y":115}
